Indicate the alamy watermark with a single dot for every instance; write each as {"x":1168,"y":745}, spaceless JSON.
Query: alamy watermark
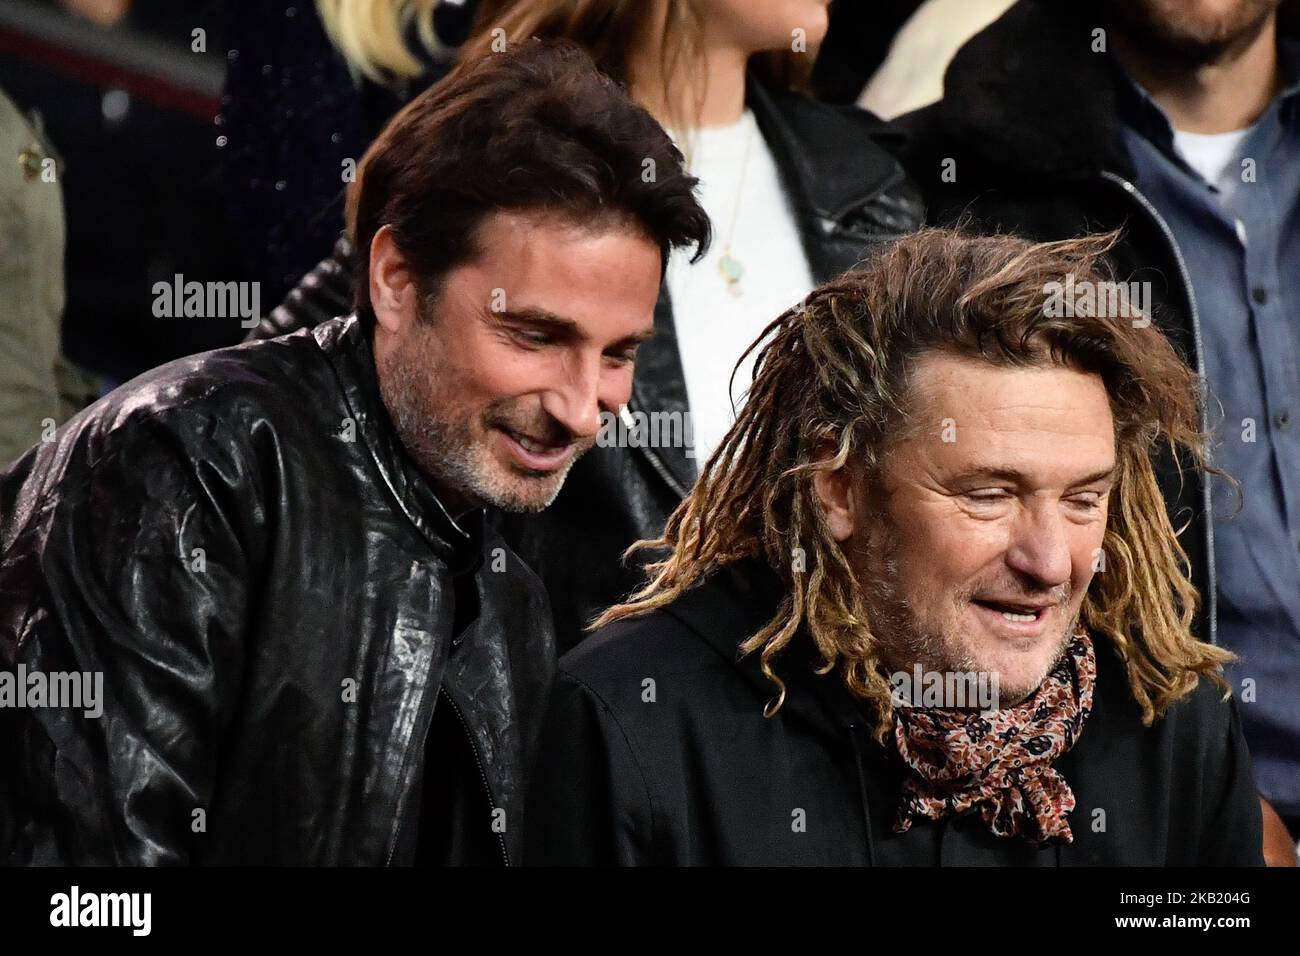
{"x":208,"y":300}
{"x":75,"y":908}
{"x":1088,"y":299}
{"x":77,"y":690}
{"x":945,"y":689}
{"x":637,"y":429}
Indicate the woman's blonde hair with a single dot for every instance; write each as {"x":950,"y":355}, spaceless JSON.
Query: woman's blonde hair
{"x":610,"y":30}
{"x":832,"y":374}
{"x":371,"y":35}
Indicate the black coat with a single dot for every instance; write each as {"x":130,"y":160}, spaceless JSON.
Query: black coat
{"x":1029,"y":134}
{"x":848,"y":195}
{"x":656,"y":751}
{"x":268,"y":585}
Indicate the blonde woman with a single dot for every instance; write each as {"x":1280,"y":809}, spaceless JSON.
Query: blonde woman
{"x":798,"y":191}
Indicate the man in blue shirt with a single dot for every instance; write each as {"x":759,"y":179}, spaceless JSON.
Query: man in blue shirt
{"x":1216,"y":148}
{"x":1174,"y":120}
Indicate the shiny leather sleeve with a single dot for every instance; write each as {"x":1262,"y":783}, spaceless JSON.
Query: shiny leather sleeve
{"x":130,"y":569}
{"x":319,"y":296}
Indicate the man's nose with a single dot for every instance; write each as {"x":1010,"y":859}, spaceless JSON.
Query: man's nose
{"x":1039,"y":546}
{"x":575,"y":402}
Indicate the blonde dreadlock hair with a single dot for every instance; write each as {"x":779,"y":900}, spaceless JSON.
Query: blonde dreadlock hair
{"x":831,"y":373}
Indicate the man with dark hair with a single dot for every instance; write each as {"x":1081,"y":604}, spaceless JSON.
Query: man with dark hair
{"x":925,"y":605}
{"x":267,"y":567}
{"x":1178,"y":121}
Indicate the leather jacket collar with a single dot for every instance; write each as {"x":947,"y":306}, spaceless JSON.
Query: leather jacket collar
{"x":346,"y":344}
{"x":833,"y":162}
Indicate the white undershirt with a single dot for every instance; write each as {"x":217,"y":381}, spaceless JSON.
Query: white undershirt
{"x":1213,"y":155}
{"x":714,"y":326}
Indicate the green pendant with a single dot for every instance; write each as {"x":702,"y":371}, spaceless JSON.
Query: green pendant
{"x":730,"y":268}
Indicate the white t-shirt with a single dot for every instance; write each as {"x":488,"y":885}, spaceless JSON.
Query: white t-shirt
{"x":740,"y":184}
{"x":1214,"y":156}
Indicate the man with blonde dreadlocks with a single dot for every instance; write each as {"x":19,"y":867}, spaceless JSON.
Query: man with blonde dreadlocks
{"x":925,"y":605}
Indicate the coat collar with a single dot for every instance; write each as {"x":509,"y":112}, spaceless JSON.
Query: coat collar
{"x":731,"y":606}
{"x":832,"y":161}
{"x":1029,"y":97}
{"x":347,"y":347}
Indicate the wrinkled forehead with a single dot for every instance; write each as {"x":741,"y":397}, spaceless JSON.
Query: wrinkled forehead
{"x":1050,"y":422}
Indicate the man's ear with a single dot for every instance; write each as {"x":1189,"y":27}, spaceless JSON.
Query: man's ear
{"x":393,"y":293}
{"x":837,"y":491}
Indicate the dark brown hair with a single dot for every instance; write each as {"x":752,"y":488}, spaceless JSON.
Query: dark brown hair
{"x":832,"y":373}
{"x":539,"y":128}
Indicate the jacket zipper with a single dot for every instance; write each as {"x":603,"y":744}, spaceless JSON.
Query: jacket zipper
{"x":482,"y":774}
{"x":1211,"y":599}
{"x":401,"y":803}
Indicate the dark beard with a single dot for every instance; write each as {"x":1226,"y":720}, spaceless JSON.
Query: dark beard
{"x":1188,"y":45}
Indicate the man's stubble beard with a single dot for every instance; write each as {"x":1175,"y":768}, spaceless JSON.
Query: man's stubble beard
{"x":1185,"y":44}
{"x":444,"y":447}
{"x":906,"y":641}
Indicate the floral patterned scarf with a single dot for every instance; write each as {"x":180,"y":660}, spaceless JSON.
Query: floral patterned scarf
{"x":1000,"y":762}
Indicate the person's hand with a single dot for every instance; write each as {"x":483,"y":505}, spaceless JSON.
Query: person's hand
{"x":1279,"y":848}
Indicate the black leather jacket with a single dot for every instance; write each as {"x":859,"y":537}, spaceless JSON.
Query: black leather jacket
{"x":238,"y":544}
{"x":848,"y":194}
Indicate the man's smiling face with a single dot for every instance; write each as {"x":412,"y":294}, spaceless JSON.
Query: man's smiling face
{"x":979,"y":542}
{"x":496,"y":383}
